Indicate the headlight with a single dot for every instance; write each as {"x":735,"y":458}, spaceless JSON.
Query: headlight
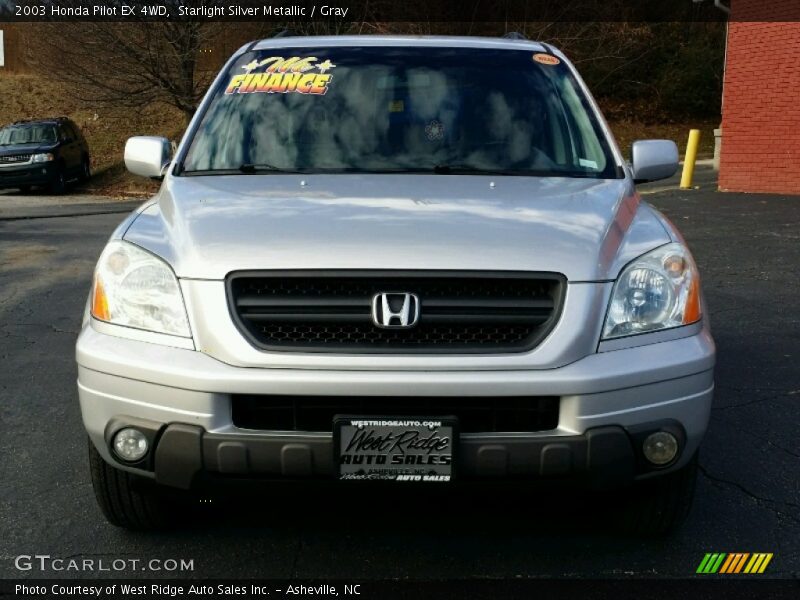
{"x":656,"y":291}
{"x":137,"y":289}
{"x":40,"y":158}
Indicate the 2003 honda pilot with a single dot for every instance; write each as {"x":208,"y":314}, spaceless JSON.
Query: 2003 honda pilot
{"x":416,"y":260}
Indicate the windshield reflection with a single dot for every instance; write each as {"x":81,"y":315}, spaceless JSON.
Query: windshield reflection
{"x":402,"y":109}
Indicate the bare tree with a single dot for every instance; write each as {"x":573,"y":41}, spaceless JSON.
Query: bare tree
{"x":130,"y":64}
{"x":143,"y":61}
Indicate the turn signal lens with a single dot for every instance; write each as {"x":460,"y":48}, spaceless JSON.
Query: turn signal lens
{"x":100,"y":302}
{"x":693,"y":311}
{"x":135,"y":288}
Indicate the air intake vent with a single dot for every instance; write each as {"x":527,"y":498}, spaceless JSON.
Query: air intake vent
{"x":316,"y":413}
{"x":459,"y":312}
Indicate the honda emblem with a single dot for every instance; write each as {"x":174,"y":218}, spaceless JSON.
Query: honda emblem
{"x":395,"y":310}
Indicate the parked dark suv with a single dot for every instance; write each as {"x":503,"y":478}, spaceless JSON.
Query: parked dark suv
{"x":45,"y":152}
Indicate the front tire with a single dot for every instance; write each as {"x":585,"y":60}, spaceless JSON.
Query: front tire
{"x":59,"y":183}
{"x":126,"y":500}
{"x":660,"y":506}
{"x":86,"y":170}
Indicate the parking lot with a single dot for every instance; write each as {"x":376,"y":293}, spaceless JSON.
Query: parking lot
{"x":748,"y":496}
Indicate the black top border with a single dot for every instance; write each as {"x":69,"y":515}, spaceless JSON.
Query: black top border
{"x":412,"y":11}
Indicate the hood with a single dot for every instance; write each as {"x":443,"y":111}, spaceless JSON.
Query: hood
{"x":35,"y":148}
{"x":208,"y":226}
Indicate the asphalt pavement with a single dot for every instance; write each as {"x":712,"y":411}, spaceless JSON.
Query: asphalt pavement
{"x":748,"y":495}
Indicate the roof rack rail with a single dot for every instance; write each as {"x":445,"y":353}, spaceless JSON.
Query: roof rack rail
{"x":549,"y":48}
{"x":514,"y":35}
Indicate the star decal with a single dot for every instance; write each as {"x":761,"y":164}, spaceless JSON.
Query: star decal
{"x":325,"y":66}
{"x":250,"y":66}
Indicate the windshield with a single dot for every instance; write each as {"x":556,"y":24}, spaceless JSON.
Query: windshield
{"x":400,"y":109}
{"x":28,"y":134}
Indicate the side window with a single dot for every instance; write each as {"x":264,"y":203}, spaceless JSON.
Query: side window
{"x":76,"y":133}
{"x":591,"y":155}
{"x":67,"y":132}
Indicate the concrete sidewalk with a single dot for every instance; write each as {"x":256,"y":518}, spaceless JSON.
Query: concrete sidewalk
{"x":15,"y":206}
{"x":705,"y":179}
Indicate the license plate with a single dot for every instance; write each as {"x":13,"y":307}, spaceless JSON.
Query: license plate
{"x":395,"y":448}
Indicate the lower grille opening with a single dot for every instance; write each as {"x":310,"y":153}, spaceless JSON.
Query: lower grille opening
{"x":475,"y":414}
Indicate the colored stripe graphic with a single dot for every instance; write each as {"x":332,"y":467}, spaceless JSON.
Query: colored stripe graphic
{"x":715,"y":566}
{"x":755,"y":562}
{"x":733,"y":558}
{"x":764,"y":564}
{"x":711,"y":562}
{"x":727,"y":564}
{"x":740,"y":562}
{"x":703,"y":563}
{"x":734,"y":562}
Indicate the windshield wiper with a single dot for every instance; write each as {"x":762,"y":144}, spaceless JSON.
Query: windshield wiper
{"x":466,"y":169}
{"x":257,"y":167}
{"x":246,"y":168}
{"x":444,"y":169}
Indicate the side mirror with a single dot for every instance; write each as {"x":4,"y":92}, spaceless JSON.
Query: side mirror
{"x":148,"y":156}
{"x":653,"y":160}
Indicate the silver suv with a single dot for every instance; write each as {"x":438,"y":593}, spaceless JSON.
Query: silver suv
{"x":416,"y":260}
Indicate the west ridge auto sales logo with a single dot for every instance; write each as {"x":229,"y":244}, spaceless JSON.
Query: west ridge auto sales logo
{"x":276,"y":74}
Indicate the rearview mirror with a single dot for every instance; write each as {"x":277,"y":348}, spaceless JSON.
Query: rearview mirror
{"x":653,"y":160}
{"x":148,"y":156}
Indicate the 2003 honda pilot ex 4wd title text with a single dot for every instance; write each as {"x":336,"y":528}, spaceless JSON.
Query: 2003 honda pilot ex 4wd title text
{"x":406,"y":259}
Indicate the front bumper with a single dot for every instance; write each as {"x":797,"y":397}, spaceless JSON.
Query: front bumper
{"x":27,"y":174}
{"x":607,"y":399}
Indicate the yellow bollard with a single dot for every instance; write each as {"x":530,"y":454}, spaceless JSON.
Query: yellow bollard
{"x":690,"y":159}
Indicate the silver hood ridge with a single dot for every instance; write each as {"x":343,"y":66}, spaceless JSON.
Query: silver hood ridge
{"x":585,"y":229}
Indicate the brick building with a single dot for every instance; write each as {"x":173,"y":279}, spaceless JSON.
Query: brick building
{"x":761,"y":99}
{"x":13,"y":49}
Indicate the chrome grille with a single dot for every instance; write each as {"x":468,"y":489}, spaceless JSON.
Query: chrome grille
{"x":331,"y":311}
{"x":15,"y":158}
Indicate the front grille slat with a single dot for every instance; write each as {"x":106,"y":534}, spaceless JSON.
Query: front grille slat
{"x":316,"y":413}
{"x":15,"y":158}
{"x":460,"y":311}
{"x":306,"y":317}
{"x":256,"y":301}
{"x":490,"y":303}
{"x":485,"y":319}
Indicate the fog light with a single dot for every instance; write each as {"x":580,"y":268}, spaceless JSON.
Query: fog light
{"x":660,"y":448}
{"x":130,"y":444}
